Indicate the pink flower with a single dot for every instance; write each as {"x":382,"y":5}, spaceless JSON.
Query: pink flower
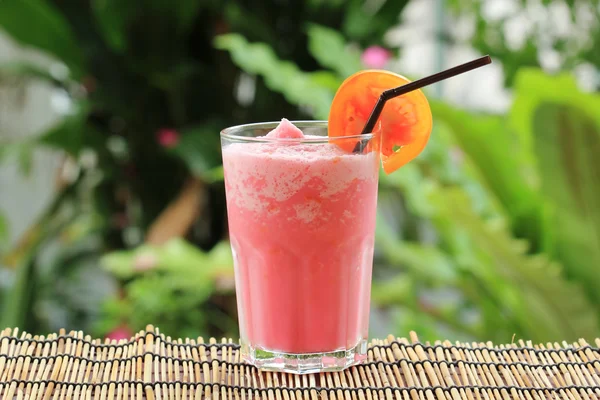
{"x":168,"y":137}
{"x":119,"y":333}
{"x":375,"y":57}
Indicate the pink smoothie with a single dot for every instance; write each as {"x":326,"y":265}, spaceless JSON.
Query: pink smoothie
{"x":301,"y":222}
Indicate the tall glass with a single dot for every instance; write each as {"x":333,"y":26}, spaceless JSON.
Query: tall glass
{"x":301,"y":222}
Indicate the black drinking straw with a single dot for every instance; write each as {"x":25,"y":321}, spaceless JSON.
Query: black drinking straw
{"x":418,"y":84}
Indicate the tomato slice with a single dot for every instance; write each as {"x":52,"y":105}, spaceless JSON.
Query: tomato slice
{"x":404,"y":126}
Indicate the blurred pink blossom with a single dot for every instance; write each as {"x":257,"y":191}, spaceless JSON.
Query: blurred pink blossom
{"x":168,"y":137}
{"x":375,"y":57}
{"x":119,"y":333}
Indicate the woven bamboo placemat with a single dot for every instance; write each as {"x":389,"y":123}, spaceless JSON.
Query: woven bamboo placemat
{"x":152,"y":366}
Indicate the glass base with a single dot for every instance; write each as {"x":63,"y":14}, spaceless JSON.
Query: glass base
{"x":305,"y":363}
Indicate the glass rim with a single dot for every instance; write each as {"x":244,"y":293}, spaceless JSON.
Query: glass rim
{"x":229,"y":133}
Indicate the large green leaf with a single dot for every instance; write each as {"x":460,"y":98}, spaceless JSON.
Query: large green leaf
{"x":567,"y":144}
{"x":298,"y":87}
{"x":558,"y":126}
{"x":495,"y":150}
{"x":513,"y":292}
{"x":534,"y":87}
{"x":37,"y":23}
{"x":329,"y":47}
{"x":534,"y":292}
{"x":440,"y":257}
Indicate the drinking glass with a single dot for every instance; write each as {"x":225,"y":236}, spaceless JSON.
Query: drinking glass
{"x":301,"y":216}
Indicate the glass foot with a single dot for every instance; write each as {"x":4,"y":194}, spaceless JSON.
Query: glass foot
{"x":306,"y":363}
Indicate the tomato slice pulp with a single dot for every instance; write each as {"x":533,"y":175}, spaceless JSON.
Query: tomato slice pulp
{"x":404,"y":126}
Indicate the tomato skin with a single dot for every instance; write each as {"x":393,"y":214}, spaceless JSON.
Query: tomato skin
{"x":405,"y":122}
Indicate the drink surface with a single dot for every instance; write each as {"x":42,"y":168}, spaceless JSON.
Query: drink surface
{"x":301,"y":221}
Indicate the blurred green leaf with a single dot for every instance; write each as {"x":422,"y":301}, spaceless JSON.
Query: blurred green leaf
{"x":327,"y":80}
{"x":567,"y":144}
{"x":415,"y":186}
{"x":423,"y":261}
{"x":45,"y":28}
{"x":298,"y":87}
{"x":409,"y":319}
{"x":200,"y":148}
{"x":18,"y":298}
{"x":329,"y":47}
{"x":114,"y":311}
{"x":242,"y":20}
{"x":4,"y":231}
{"x":591,"y":54}
{"x":71,"y":133}
{"x":397,"y":290}
{"x":27,"y":70}
{"x":73,"y":287}
{"x":369,"y":22}
{"x":214,"y":175}
{"x":559,"y":128}
{"x":554,"y":308}
{"x":20,"y":152}
{"x":534,"y":87}
{"x":185,"y":12}
{"x":488,"y":142}
{"x":112,"y":17}
{"x":168,"y":279}
{"x":175,"y":255}
{"x":317,"y":4}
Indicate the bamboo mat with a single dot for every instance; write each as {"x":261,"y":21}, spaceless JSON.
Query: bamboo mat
{"x":152,"y":366}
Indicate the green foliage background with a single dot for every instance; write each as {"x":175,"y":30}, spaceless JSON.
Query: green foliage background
{"x":493,"y":231}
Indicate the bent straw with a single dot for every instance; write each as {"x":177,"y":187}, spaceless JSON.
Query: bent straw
{"x":418,"y":84}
